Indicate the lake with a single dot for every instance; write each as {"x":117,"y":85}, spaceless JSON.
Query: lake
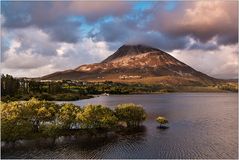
{"x":202,"y":125}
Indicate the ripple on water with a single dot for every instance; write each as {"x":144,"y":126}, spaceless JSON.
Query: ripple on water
{"x":202,"y":125}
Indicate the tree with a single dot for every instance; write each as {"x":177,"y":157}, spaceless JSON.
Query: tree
{"x":131,"y":114}
{"x":20,"y":120}
{"x":97,"y":116}
{"x":46,"y":113}
{"x":9,"y":85}
{"x":13,"y":126}
{"x":34,"y":86}
{"x":51,"y":130}
{"x":38,"y":112}
{"x":67,"y":115}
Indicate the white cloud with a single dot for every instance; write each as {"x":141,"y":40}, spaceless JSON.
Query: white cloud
{"x":99,"y":50}
{"x":221,"y":63}
{"x":201,"y":14}
{"x":31,"y":72}
{"x":24,"y":59}
{"x":30,"y":52}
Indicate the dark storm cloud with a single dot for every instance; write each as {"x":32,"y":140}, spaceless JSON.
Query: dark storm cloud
{"x":63,"y":31}
{"x":48,"y":16}
{"x":158,"y":40}
{"x":93,"y":10}
{"x":170,"y":28}
{"x":52,"y":16}
{"x":128,"y":31}
{"x":230,"y":38}
{"x":171,"y":22}
{"x":127,"y":35}
{"x":21,"y":14}
{"x":112,"y":32}
{"x":116,"y":30}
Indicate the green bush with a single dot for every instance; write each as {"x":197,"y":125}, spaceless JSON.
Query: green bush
{"x":97,"y":116}
{"x":133,"y":115}
{"x":161,"y":120}
{"x":51,"y":130}
{"x":45,"y":96}
{"x":67,"y":115}
{"x":66,"y":97}
{"x":13,"y":125}
{"x":34,"y":118}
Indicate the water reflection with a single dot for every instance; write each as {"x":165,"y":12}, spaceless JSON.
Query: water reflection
{"x":202,"y":125}
{"x":89,"y":141}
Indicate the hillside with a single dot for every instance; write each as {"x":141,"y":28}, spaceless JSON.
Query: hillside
{"x":137,"y":63}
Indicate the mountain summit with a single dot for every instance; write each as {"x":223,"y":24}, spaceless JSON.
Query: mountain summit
{"x":127,"y":50}
{"x":137,"y":63}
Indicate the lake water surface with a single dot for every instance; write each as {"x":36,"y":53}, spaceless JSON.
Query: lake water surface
{"x":202,"y":125}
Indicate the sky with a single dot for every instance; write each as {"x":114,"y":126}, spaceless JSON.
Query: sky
{"x":39,"y":38}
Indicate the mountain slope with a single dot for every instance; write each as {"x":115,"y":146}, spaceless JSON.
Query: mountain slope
{"x":137,"y":63}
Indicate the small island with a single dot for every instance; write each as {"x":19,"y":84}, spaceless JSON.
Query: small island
{"x":163,"y":122}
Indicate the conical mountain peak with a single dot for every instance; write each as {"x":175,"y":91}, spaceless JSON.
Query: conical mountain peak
{"x":137,"y":63}
{"x":128,"y":50}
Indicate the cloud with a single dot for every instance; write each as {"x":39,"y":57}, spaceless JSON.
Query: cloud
{"x":42,"y":13}
{"x":176,"y":26}
{"x":29,"y":38}
{"x":201,"y":20}
{"x":94,"y":11}
{"x":26,"y":59}
{"x":125,"y":30}
{"x":30,"y":72}
{"x":53,"y":16}
{"x":112,"y":31}
{"x":158,"y":40}
{"x":62,"y":31}
{"x":37,"y":55}
{"x":170,"y":19}
{"x":221,"y":63}
{"x":60,"y":35}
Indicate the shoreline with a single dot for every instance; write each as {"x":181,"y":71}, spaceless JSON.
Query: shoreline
{"x":83,"y":97}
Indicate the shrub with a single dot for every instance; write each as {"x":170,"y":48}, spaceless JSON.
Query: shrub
{"x":21,"y":120}
{"x":67,"y":115}
{"x":131,"y":114}
{"x":97,"y":116}
{"x":46,"y":96}
{"x":50,"y":130}
{"x":161,"y":120}
{"x":13,"y":125}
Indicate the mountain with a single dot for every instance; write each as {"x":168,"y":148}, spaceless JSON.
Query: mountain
{"x":137,"y":63}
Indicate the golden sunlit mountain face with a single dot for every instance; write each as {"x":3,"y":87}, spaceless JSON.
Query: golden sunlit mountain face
{"x":137,"y":63}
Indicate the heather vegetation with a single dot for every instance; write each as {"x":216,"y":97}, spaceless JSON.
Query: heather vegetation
{"x":233,"y":87}
{"x":33,"y":119}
